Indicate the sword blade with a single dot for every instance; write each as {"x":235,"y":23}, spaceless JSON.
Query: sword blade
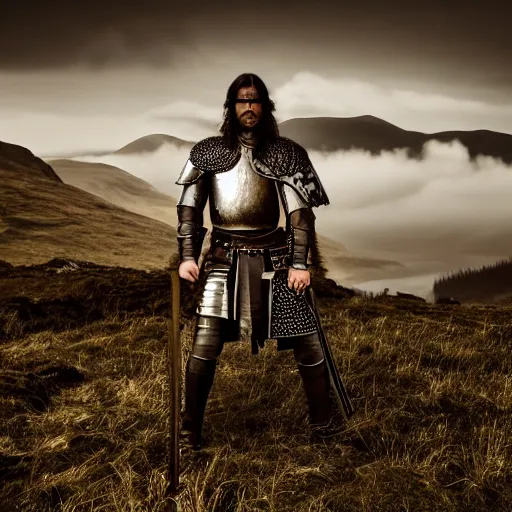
{"x":337,"y":384}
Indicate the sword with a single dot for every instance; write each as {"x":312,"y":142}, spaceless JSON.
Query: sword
{"x":337,"y":384}
{"x":174,"y":367}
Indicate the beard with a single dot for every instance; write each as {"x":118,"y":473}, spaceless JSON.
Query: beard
{"x":248,"y":122}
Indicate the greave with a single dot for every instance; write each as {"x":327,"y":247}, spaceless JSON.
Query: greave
{"x":198,"y":382}
{"x":315,"y":379}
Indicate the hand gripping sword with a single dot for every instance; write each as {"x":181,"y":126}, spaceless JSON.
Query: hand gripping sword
{"x":174,"y":368}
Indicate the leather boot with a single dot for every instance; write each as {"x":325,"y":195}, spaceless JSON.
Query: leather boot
{"x":316,"y":383}
{"x":198,"y":382}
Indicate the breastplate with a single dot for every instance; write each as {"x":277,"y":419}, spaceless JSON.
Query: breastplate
{"x":241,"y":199}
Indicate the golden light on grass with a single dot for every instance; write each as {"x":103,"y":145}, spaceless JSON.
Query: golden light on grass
{"x":432,"y":429}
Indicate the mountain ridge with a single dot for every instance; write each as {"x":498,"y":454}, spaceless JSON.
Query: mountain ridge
{"x":369,"y":133}
{"x":364,"y":133}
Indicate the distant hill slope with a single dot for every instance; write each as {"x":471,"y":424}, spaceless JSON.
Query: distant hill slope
{"x":334,"y":133}
{"x":375,"y":135}
{"x":17,"y":158}
{"x":41,"y":218}
{"x":368,"y":133}
{"x":488,"y":284}
{"x":151,"y":143}
{"x":118,"y":187}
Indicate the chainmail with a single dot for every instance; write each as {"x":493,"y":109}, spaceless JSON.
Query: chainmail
{"x":212,"y":154}
{"x":291,"y":314}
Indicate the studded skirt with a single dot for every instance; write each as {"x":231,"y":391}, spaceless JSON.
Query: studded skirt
{"x":248,"y":287}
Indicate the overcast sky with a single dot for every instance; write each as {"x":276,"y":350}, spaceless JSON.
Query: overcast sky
{"x":437,"y":40}
{"x":66,"y":67}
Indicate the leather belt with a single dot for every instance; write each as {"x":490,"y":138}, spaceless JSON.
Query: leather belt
{"x":272,"y":246}
{"x":235,"y":241}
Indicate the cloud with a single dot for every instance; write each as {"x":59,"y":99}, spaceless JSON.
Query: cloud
{"x":160,"y":168}
{"x":438,"y":103}
{"x":105,"y":34}
{"x":310,"y":95}
{"x":420,"y":285}
{"x":436,"y":215}
{"x":442,"y":208}
{"x":188,"y":110}
{"x":430,"y":209}
{"x":55,"y":135}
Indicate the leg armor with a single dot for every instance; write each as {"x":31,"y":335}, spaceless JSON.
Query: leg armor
{"x":315,"y":377}
{"x":200,"y":372}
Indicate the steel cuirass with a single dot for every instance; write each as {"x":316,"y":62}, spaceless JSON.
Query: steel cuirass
{"x":241,"y":199}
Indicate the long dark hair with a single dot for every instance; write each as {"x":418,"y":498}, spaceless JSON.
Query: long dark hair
{"x":267,"y":128}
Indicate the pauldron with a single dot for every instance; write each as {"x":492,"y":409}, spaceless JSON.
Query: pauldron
{"x":283,"y":160}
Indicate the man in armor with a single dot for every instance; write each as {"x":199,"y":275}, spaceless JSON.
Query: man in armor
{"x":256,"y":273}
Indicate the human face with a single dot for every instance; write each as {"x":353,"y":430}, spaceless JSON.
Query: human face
{"x":248,"y":107}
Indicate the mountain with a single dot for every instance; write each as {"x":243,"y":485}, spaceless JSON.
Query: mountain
{"x":367,"y":133}
{"x":151,"y":143}
{"x":19,"y":159}
{"x":372,"y":134}
{"x":41,"y":218}
{"x":117,"y":187}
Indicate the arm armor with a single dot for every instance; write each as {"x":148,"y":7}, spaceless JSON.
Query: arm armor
{"x":190,"y":230}
{"x":300,"y":227}
{"x":190,"y":233}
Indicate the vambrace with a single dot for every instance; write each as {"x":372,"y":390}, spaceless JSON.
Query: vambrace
{"x":190,"y":232}
{"x":301,"y":226}
{"x":190,"y":206}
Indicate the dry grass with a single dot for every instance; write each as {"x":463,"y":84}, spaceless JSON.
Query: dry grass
{"x":43,"y":218}
{"x":117,"y":187}
{"x":432,"y":431}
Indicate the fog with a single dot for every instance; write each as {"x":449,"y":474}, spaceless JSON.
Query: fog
{"x":434,"y":215}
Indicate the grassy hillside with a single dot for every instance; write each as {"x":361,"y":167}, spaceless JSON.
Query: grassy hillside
{"x":42,"y":218}
{"x":118,"y":187}
{"x":20,"y":160}
{"x":84,"y":410}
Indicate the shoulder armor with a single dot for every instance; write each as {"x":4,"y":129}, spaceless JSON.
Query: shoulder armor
{"x":189,"y":174}
{"x":289,"y":162}
{"x":213,"y":154}
{"x":284,"y":156}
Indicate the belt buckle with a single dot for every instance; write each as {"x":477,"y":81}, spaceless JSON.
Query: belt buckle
{"x":250,"y":251}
